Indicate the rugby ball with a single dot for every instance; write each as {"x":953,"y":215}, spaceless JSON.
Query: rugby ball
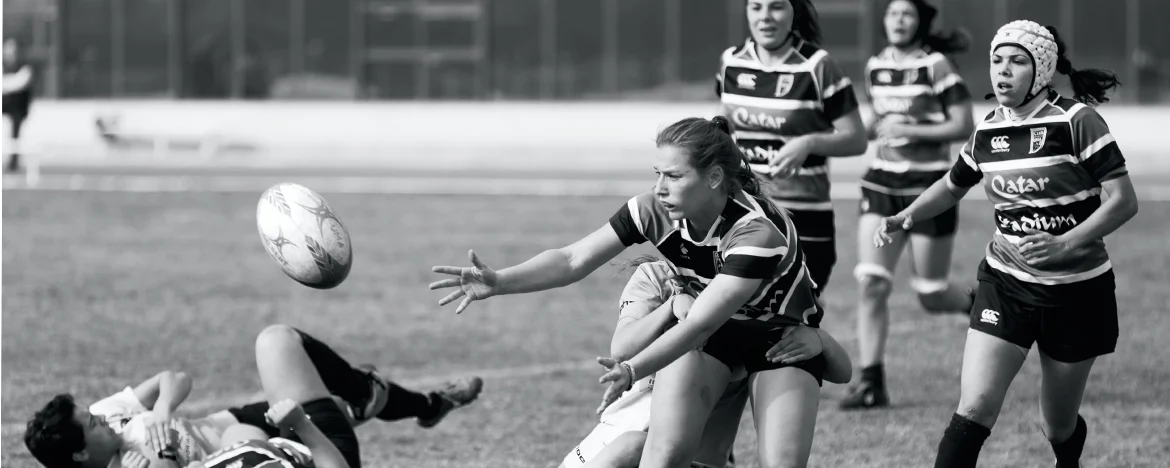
{"x":303,"y":234}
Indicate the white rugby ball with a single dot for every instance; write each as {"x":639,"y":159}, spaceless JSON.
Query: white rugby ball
{"x":303,"y":234}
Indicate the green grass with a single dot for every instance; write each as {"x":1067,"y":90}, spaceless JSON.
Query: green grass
{"x":101,"y":290}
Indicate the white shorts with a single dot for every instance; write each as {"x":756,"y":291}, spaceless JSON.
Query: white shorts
{"x":714,"y":449}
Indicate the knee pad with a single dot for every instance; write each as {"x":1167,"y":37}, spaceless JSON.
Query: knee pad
{"x":924,"y":286}
{"x":864,"y":272}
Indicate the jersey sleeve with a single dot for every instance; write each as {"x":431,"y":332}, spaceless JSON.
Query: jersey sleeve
{"x":646,"y":288}
{"x":1095,"y":146}
{"x":965,"y":172}
{"x":837,"y":96}
{"x":948,"y":85}
{"x":123,"y":403}
{"x":641,"y":219}
{"x":754,"y":251}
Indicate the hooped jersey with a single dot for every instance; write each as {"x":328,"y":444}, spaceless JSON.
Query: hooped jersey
{"x":916,"y":89}
{"x":271,"y":453}
{"x":1042,"y":173}
{"x":750,"y":239}
{"x":800,"y":94}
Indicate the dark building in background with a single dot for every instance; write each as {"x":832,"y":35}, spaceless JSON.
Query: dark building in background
{"x":501,"y":49}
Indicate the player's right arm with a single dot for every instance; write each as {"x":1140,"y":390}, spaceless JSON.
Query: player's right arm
{"x":645,"y":310}
{"x":164,"y":392}
{"x":943,"y":195}
{"x":838,"y":366}
{"x":289,"y":414}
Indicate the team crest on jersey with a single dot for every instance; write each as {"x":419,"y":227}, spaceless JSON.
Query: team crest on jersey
{"x":885,"y":76}
{"x":745,"y":81}
{"x":1039,"y":135}
{"x":910,"y":76}
{"x":784,"y":83}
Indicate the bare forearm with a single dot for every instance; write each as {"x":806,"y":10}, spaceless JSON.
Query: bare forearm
{"x":839,"y":143}
{"x":325,"y":454}
{"x":673,"y":344}
{"x":839,"y":368}
{"x":173,"y":389}
{"x":632,"y":338}
{"x":1110,"y":216}
{"x":549,"y":269}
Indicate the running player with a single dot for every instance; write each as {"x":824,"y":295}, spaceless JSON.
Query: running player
{"x":919,"y":106}
{"x":1045,"y":161}
{"x":654,"y":300}
{"x":64,"y":434}
{"x":791,"y":108}
{"x":18,"y":95}
{"x":740,"y":254}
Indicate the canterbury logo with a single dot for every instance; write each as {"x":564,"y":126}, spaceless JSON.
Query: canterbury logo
{"x":1000,"y":144}
{"x":990,"y":316}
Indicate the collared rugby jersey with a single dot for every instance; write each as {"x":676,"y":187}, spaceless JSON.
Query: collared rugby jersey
{"x":917,"y":89}
{"x":750,"y":239}
{"x":802,"y":93}
{"x":1044,"y":173}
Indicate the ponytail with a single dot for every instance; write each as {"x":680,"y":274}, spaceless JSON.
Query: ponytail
{"x":950,"y":42}
{"x":1091,"y":85}
{"x":743,"y":175}
{"x":806,"y":23}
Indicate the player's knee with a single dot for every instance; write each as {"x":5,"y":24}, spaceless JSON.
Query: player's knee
{"x":785,"y":457}
{"x":932,"y":293}
{"x":875,"y":280}
{"x":980,"y":408}
{"x":276,"y":337}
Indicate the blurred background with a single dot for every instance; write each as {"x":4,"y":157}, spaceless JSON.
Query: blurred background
{"x":501,"y":49}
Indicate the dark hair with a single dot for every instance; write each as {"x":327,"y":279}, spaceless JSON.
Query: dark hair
{"x":954,"y":41}
{"x":708,"y":143}
{"x":52,"y":436}
{"x":1089,"y":85}
{"x":634,"y":263}
{"x":806,"y":23}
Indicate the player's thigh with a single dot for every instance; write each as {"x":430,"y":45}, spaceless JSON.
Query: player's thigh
{"x":931,"y":255}
{"x":723,"y":425}
{"x":867,"y":253}
{"x":286,"y":371}
{"x":685,"y":392}
{"x":784,"y":403}
{"x":237,"y":433}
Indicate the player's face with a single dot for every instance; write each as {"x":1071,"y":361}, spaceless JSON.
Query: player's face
{"x":1011,"y":75}
{"x":901,"y":22}
{"x":100,"y":438}
{"x":682,"y":189}
{"x":770,"y":21}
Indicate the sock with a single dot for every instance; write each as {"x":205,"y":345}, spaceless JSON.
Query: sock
{"x":961,"y":443}
{"x":1068,"y":453}
{"x":874,"y":374}
{"x":403,"y":403}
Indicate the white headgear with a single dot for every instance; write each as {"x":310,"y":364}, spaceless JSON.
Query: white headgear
{"x":1039,"y":43}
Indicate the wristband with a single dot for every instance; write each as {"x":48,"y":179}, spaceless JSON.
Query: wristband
{"x":630,"y":370}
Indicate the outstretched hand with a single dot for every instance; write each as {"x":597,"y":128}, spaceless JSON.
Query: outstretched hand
{"x":618,"y":380}
{"x":890,"y":225}
{"x":475,"y":283}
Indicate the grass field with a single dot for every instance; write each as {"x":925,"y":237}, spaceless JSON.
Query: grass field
{"x":101,"y":290}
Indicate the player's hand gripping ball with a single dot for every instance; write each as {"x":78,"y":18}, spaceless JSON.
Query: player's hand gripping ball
{"x":303,"y":234}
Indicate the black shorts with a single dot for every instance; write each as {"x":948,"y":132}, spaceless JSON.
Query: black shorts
{"x":325,"y":414}
{"x":1083,"y":327}
{"x":882,"y":204}
{"x":17,"y":122}
{"x":735,"y":344}
{"x":818,"y":233}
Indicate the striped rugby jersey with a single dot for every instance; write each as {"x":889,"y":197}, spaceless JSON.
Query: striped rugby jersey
{"x":800,"y":94}
{"x":1044,"y":173}
{"x":751,"y":239}
{"x":272,"y":453}
{"x":916,"y":89}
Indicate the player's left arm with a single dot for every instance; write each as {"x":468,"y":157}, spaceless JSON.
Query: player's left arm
{"x":839,"y":102}
{"x":164,"y":392}
{"x":1099,"y":154}
{"x":714,"y":306}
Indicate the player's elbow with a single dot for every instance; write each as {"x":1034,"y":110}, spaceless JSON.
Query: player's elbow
{"x":857,"y":143}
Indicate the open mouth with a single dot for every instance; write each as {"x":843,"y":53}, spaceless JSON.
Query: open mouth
{"x":1003,"y":87}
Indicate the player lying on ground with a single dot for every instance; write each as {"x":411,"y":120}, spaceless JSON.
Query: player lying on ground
{"x":653,"y":301}
{"x":139,"y":419}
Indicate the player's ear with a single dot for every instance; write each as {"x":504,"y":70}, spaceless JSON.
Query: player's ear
{"x":715,"y":177}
